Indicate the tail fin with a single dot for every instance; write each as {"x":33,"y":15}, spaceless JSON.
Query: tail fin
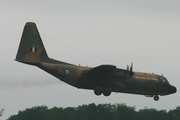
{"x":31,"y":49}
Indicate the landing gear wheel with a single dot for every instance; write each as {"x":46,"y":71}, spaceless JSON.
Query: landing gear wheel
{"x":97,"y":92}
{"x":156,"y":98}
{"x":106,"y":93}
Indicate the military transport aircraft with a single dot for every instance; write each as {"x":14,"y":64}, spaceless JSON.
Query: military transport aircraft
{"x":103,"y":79}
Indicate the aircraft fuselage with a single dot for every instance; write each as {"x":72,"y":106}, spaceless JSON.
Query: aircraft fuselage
{"x":103,"y":79}
{"x":139,"y":83}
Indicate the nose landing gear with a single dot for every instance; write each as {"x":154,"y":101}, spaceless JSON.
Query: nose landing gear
{"x":156,"y":97}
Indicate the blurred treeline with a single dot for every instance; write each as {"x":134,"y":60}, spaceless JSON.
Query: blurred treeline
{"x":96,"y":112}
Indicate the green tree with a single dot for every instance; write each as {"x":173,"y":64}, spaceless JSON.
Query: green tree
{"x":124,"y":112}
{"x":93,"y":112}
{"x":87,"y":112}
{"x":175,"y":113}
{"x":152,"y":114}
{"x":96,"y":112}
{"x":34,"y":113}
{"x":54,"y":114}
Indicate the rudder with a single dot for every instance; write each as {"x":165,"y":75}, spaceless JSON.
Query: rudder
{"x":31,"y":48}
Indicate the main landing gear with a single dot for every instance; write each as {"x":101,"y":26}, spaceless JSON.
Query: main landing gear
{"x":105,"y":92}
{"x":97,"y":92}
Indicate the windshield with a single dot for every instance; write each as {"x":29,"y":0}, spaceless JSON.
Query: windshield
{"x":163,"y":79}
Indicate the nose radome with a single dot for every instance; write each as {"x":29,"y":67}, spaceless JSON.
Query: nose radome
{"x":172,"y":89}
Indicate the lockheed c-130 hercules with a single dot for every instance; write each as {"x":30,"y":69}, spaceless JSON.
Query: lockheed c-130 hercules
{"x":103,"y":79}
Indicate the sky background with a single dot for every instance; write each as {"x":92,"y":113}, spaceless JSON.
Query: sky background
{"x":118,"y":32}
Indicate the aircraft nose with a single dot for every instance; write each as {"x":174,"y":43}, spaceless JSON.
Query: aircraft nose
{"x":172,"y":89}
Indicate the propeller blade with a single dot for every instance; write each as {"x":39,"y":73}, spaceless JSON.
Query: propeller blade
{"x":131,"y":73}
{"x":127,"y":68}
{"x":131,"y":68}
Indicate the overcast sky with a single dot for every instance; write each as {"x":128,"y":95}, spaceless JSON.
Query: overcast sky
{"x":145,"y":32}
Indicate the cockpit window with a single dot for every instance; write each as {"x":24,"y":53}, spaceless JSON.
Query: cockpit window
{"x":162,"y":79}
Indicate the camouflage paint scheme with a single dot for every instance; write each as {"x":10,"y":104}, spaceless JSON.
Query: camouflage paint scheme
{"x":103,"y":79}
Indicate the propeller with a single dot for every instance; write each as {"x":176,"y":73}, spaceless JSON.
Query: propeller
{"x":131,"y":73}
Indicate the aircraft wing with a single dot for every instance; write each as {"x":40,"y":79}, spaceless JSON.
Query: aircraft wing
{"x":107,"y":72}
{"x":102,"y":72}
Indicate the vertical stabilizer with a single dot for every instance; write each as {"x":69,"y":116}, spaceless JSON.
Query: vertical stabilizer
{"x":31,"y":49}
